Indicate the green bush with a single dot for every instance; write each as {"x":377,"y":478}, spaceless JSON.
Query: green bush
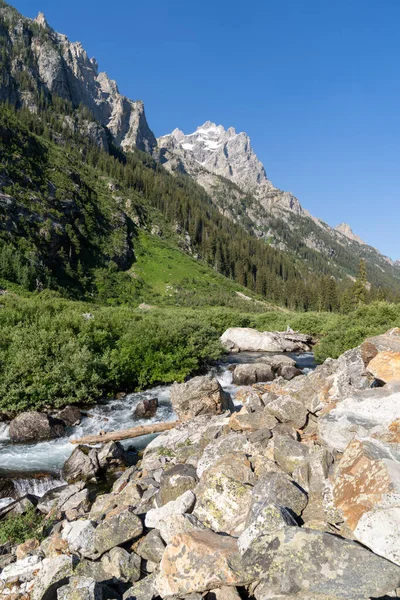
{"x":20,"y":528}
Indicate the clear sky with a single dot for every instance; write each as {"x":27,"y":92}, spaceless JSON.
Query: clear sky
{"x":315,"y":84}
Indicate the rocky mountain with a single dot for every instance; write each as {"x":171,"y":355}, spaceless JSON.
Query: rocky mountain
{"x":224,"y":163}
{"x":37,"y":61}
{"x":348,"y":232}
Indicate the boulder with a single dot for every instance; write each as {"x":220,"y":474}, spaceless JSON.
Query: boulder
{"x":310,"y":561}
{"x":251,"y":421}
{"x":289,"y":372}
{"x":115,"y":530}
{"x":268,"y":519}
{"x":176,"y":524}
{"x":79,"y":535}
{"x":196,"y":562}
{"x":373,"y":412}
{"x":288,"y":410}
{"x":366,"y":490}
{"x":288,"y":453}
{"x":23,"y":570}
{"x":82,"y":465}
{"x":181,"y":505}
{"x":111,"y":455}
{"x":55,"y":498}
{"x":152,"y":547}
{"x":121,"y":565}
{"x":175,"y":481}
{"x":84,"y":588}
{"x":53,"y":575}
{"x":200,"y":395}
{"x":35,"y":427}
{"x":245,"y":339}
{"x":224,"y":494}
{"x":142,"y":590}
{"x":389,"y":341}
{"x":71,"y":415}
{"x":28,"y":548}
{"x":279,"y":489}
{"x":252,"y":373}
{"x":385,"y":367}
{"x":146,"y":409}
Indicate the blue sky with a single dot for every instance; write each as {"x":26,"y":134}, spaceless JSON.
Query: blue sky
{"x":315,"y":83}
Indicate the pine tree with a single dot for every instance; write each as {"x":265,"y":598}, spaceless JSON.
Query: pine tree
{"x":360,"y":285}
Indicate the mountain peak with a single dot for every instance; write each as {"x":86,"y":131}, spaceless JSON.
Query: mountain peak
{"x":41,"y":20}
{"x":346,"y":230}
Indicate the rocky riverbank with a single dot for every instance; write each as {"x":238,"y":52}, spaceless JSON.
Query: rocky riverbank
{"x":296,"y":495}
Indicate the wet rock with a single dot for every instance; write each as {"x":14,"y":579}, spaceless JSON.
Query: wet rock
{"x":200,"y":395}
{"x":385,"y":366}
{"x":366,"y":490}
{"x":71,"y":415}
{"x":288,"y":453}
{"x":111,"y":455}
{"x":245,"y":339}
{"x":181,"y":505}
{"x":278,"y":489}
{"x":288,"y":410}
{"x":328,"y":565}
{"x":53,"y":575}
{"x":252,"y":373}
{"x":22,"y":570}
{"x":146,"y":409}
{"x":176,"y":524}
{"x":151,"y":547}
{"x":82,"y":465}
{"x":142,"y":590}
{"x":121,"y":566}
{"x":197,"y":562}
{"x":35,"y":427}
{"x":374,"y":412}
{"x":224,"y":494}
{"x":174,"y":482}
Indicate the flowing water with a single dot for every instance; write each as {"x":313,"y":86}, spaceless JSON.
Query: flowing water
{"x":35,"y":468}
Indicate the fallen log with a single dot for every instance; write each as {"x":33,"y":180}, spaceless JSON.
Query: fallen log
{"x":125,"y":434}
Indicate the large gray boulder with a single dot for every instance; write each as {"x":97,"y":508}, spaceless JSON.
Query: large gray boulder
{"x":82,"y":465}
{"x":35,"y":427}
{"x":200,"y":395}
{"x":175,"y":481}
{"x":54,"y":573}
{"x":252,"y":373}
{"x":279,"y":489}
{"x":245,"y":339}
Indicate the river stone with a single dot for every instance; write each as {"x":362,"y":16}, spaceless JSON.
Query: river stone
{"x":200,"y":395}
{"x":252,"y":373}
{"x":22,"y":570}
{"x":121,"y":565}
{"x":224,"y":494}
{"x":82,"y":465}
{"x":303,"y":560}
{"x":174,"y":482}
{"x":181,"y":505}
{"x":366,"y":489}
{"x":35,"y":427}
{"x":288,"y":372}
{"x":115,"y":530}
{"x":111,"y":455}
{"x":277,"y":361}
{"x":53,"y":575}
{"x":142,"y":590}
{"x":152,"y":547}
{"x":71,"y":415}
{"x":373,"y":412}
{"x":278,"y":489}
{"x":288,"y":410}
{"x":197,"y":562}
{"x":176,"y":524}
{"x":288,"y":453}
{"x":146,"y":409}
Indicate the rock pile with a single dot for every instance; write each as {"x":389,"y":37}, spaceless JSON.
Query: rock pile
{"x":296,"y":496}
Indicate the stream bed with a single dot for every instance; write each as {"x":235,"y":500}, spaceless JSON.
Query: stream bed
{"x":35,"y":468}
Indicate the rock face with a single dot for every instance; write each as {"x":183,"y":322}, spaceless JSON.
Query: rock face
{"x":367,"y":492}
{"x":63,"y":68}
{"x":34,"y":427}
{"x":245,"y":339}
{"x":200,"y":395}
{"x":347,"y":231}
{"x":386,"y":367}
